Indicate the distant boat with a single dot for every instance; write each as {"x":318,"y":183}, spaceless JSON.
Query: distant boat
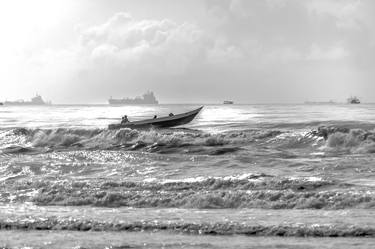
{"x":162,"y":122}
{"x":147,"y":98}
{"x":228,"y":102}
{"x":1,"y":103}
{"x":353,"y":100}
{"x":37,"y":100}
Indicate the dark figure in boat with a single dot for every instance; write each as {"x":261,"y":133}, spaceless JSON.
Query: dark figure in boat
{"x":171,"y":114}
{"x":124,"y":119}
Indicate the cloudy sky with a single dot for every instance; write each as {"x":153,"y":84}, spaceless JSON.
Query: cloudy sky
{"x":258,"y":51}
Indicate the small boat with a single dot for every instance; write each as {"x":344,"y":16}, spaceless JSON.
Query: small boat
{"x":162,"y":122}
{"x":1,"y":103}
{"x":228,"y":102}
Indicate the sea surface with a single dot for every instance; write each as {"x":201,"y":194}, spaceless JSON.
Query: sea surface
{"x":238,"y":176}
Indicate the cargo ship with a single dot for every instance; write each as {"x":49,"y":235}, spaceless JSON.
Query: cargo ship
{"x":37,"y":100}
{"x":354,"y":100}
{"x":147,"y":98}
{"x":228,"y":102}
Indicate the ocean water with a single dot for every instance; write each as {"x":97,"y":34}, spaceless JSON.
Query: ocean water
{"x":238,"y":176}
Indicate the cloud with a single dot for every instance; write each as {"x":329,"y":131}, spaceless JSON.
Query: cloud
{"x":130,"y":56}
{"x":334,"y":53}
{"x":152,"y":46}
{"x":303,"y":42}
{"x":345,"y":12}
{"x":286,"y":31}
{"x":258,"y":51}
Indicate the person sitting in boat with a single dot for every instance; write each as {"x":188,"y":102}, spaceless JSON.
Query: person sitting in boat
{"x":124,"y":119}
{"x":171,"y":114}
{"x":155,"y":116}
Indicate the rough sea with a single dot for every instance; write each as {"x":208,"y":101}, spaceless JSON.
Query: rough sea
{"x":238,"y":176}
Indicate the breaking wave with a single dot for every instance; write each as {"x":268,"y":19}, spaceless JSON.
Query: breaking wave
{"x":218,"y":199}
{"x":329,"y":138}
{"x":252,"y":191}
{"x":24,"y":140}
{"x":348,"y":140}
{"x":229,"y":228}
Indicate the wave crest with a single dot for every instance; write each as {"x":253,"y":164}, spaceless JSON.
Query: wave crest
{"x":256,"y":191}
{"x":150,"y":140}
{"x":203,"y":228}
{"x":350,"y":140}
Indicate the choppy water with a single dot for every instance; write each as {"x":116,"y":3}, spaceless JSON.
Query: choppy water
{"x":262,"y":175}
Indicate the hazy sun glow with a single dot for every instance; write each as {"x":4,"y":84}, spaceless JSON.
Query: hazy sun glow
{"x":19,"y":19}
{"x":24,"y":25}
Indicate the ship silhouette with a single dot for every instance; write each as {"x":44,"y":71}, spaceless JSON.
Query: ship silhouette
{"x":228,"y":102}
{"x":147,"y":98}
{"x":354,"y":100}
{"x":37,"y":100}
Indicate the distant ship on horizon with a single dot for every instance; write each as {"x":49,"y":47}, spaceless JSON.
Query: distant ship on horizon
{"x":320,"y":102}
{"x":228,"y":102}
{"x":37,"y":100}
{"x":147,"y":98}
{"x":354,"y":100}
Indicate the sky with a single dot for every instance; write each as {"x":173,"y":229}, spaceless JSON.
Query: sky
{"x":192,"y":51}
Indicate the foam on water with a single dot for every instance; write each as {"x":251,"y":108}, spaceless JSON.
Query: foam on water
{"x":23,"y":140}
{"x":249,"y":222}
{"x":252,"y":191}
{"x":163,"y":141}
{"x":156,"y":240}
{"x":316,"y":161}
